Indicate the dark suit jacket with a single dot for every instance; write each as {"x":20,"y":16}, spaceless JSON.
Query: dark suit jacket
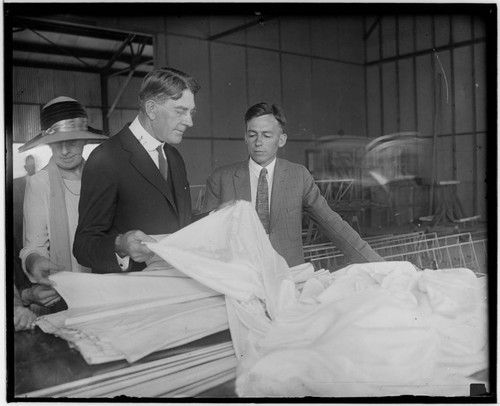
{"x":293,"y":192}
{"x":123,"y":190}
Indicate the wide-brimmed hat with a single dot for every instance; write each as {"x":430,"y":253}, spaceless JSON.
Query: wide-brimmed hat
{"x":63,"y":119}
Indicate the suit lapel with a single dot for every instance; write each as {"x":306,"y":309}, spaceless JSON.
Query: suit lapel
{"x":141,"y":160}
{"x":278,"y":192}
{"x":241,"y":180}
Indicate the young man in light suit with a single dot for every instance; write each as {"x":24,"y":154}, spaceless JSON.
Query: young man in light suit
{"x":290,"y":191}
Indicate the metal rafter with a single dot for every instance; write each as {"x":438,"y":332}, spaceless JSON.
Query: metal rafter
{"x":134,"y":63}
{"x":119,"y":52}
{"x":25,"y":46}
{"x":72,"y":68}
{"x":62,"y":49}
{"x":62,"y":27}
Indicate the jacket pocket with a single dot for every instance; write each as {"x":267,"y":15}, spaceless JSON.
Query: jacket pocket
{"x":293,"y":221}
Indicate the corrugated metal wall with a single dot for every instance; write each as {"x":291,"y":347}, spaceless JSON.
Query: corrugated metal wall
{"x":426,"y":73}
{"x":32,"y":88}
{"x":300,"y":63}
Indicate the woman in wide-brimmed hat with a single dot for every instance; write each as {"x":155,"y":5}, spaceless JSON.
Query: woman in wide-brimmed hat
{"x":52,"y":196}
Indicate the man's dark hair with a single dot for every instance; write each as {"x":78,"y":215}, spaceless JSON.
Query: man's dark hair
{"x":163,"y":83}
{"x":261,"y":109}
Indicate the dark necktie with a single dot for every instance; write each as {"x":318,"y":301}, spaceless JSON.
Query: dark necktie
{"x":162,"y":162}
{"x":262,"y":201}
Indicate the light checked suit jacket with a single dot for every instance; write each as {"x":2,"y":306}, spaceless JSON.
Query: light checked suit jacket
{"x":293,"y":192}
{"x":123,"y":190}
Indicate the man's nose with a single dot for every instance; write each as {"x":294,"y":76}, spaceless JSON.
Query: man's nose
{"x":188,"y":120}
{"x":258,"y":140}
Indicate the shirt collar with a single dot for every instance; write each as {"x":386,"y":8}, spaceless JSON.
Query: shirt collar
{"x":255,"y":168}
{"x":146,"y":139}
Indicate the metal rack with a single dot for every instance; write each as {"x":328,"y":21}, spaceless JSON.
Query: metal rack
{"x":426,"y":251}
{"x":326,"y":255}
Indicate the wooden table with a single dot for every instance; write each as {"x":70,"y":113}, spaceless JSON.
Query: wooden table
{"x":42,"y":361}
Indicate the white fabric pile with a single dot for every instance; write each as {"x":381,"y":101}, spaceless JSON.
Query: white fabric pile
{"x":367,"y":330}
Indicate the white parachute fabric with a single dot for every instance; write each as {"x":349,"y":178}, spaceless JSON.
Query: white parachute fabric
{"x":227,"y":252}
{"x":367,"y":330}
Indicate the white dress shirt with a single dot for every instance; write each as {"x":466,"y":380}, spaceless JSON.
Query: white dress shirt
{"x":147,"y":140}
{"x":255,"y":169}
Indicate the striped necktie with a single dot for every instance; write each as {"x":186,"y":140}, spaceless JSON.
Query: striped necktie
{"x":162,"y":162}
{"x":262,"y":201}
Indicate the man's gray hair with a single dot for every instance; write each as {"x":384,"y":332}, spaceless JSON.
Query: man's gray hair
{"x":165,"y":83}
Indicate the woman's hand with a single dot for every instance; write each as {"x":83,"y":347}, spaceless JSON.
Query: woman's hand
{"x":23,"y":318}
{"x":40,"y":267}
{"x":41,"y":295}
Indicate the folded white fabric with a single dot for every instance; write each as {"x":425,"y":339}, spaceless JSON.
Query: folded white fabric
{"x":128,"y":316}
{"x":367,"y":330}
{"x":81,"y":290}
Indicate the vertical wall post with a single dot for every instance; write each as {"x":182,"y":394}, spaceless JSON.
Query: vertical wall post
{"x":104,"y":102}
{"x":160,"y":49}
{"x":398,"y":86}
{"x":381,"y":76}
{"x":453,"y":107}
{"x":475,"y":179}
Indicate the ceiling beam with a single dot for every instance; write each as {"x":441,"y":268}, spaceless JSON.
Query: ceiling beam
{"x":73,"y":68}
{"x":62,"y":27}
{"x":24,"y":46}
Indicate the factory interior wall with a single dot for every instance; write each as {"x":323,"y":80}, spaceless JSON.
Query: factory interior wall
{"x":311,"y":66}
{"x":440,"y":94}
{"x":328,"y":78}
{"x":285,"y":61}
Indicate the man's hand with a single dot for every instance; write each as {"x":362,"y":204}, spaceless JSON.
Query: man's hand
{"x":23,"y":318}
{"x":131,"y":244}
{"x":40,"y":267}
{"x":41,"y":295}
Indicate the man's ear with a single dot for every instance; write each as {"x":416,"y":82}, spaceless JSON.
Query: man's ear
{"x":282,"y":140}
{"x":150,"y":108}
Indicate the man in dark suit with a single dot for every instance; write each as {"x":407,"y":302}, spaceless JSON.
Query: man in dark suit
{"x":135,"y":184}
{"x":282,"y":192}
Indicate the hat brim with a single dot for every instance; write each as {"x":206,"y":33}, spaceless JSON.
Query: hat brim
{"x":42,"y":139}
